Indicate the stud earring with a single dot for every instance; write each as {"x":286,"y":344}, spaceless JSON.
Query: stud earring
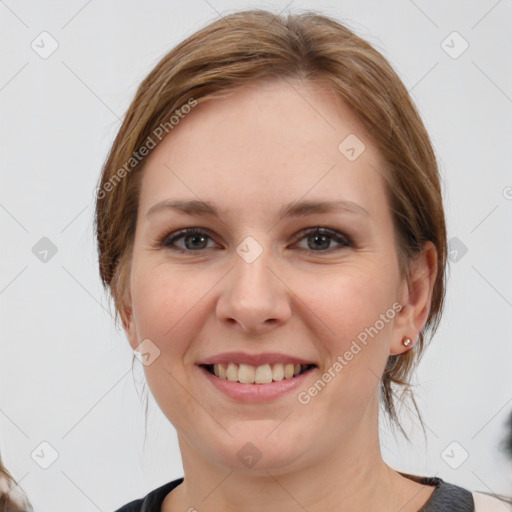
{"x":406,"y":341}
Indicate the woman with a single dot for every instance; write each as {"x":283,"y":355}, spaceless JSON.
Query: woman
{"x":270,"y":225}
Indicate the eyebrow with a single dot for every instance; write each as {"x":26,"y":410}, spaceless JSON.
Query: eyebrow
{"x":295,"y":209}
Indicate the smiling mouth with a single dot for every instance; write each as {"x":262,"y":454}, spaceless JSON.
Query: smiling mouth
{"x":264,"y":374}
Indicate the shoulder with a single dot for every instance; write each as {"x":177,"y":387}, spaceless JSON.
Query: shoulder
{"x":133,"y":506}
{"x":448,"y":496}
{"x":458,"y":499}
{"x":487,"y":503}
{"x":152,"y":502}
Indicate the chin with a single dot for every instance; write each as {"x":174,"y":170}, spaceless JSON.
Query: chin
{"x":257,"y":453}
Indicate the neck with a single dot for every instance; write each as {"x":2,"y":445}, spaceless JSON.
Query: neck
{"x":350,"y":476}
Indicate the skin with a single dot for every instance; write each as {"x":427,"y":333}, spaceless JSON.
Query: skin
{"x":268,"y":145}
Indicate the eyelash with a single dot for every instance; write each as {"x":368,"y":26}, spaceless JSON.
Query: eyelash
{"x":167,"y":240}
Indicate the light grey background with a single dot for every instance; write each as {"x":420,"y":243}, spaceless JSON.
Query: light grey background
{"x":66,"y":373}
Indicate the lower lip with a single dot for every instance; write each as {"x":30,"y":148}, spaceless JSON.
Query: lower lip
{"x":256,"y":392}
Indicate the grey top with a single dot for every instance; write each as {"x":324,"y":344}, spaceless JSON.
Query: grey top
{"x":446,"y":497}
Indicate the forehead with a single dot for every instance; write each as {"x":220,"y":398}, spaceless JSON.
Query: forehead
{"x":267,"y":144}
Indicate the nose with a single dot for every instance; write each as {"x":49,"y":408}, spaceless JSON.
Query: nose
{"x":255,"y":299}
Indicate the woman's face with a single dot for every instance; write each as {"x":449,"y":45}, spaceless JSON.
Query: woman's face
{"x":256,"y":286}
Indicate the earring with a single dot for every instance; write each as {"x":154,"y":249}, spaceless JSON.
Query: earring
{"x":406,"y":341}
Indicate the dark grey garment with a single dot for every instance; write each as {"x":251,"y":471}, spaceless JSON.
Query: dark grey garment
{"x":446,"y":497}
{"x":153,"y":501}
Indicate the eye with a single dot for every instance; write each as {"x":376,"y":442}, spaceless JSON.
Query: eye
{"x":193,"y":238}
{"x":319,"y":239}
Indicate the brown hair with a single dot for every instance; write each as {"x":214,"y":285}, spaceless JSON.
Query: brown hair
{"x":249,"y":46}
{"x":10,"y":502}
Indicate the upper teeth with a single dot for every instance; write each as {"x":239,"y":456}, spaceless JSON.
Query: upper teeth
{"x":264,"y":374}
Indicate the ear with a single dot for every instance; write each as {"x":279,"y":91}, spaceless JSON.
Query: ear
{"x":415,"y":297}
{"x":128,"y":321}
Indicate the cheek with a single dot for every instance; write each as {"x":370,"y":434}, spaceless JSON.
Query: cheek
{"x":355,"y":342}
{"x":165,"y":306}
{"x":348,"y":302}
